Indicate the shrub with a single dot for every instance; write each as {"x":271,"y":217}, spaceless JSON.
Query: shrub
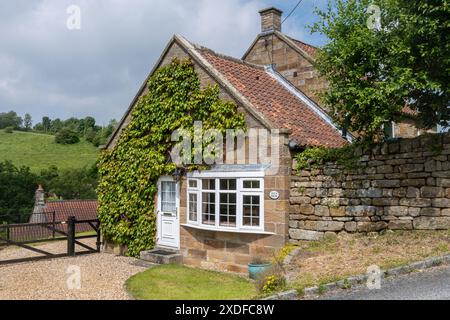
{"x":273,"y":283}
{"x":67,"y":136}
{"x":9,"y":130}
{"x":272,"y":280}
{"x":316,"y":157}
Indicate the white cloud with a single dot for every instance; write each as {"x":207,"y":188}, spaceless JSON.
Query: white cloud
{"x":47,"y":69}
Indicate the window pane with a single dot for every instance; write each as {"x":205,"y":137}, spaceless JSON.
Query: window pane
{"x":192,"y":183}
{"x":251,"y":211}
{"x":227,"y":209}
{"x":227,"y":184}
{"x":168,"y":196}
{"x":193,"y":206}
{"x":208,"y":184}
{"x":208,"y":208}
{"x":251,"y":184}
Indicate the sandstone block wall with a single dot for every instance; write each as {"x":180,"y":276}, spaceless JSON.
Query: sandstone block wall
{"x":400,"y":185}
{"x":289,"y":63}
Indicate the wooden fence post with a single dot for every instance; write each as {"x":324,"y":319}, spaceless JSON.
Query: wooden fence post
{"x":71,"y":236}
{"x":54,"y":225}
{"x":98,"y":238}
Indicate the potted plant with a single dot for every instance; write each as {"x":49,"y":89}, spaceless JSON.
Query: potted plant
{"x":257,"y":266}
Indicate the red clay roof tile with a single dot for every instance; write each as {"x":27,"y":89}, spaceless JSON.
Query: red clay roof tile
{"x":80,"y":209}
{"x":275,"y":101}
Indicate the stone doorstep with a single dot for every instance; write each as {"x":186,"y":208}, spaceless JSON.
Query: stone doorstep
{"x":161,"y":256}
{"x":361,"y":279}
{"x":143,"y":263}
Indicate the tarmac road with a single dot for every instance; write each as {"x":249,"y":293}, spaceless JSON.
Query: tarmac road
{"x":432,"y":284}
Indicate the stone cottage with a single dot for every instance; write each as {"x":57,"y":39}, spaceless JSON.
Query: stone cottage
{"x":225,"y":217}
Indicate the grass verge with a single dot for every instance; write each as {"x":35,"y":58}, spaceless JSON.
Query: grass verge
{"x":334,"y":259}
{"x":176,"y":282}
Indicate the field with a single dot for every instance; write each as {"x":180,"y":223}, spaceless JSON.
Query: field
{"x":39,"y":151}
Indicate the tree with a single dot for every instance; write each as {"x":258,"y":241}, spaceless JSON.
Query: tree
{"x":56,"y":125}
{"x":47,"y":175}
{"x":10,"y":119}
{"x":27,"y":121}
{"x":17,"y":187}
{"x":90,"y":135}
{"x":67,"y":136}
{"x":38,"y":127}
{"x":109,"y":129}
{"x":376,"y":69}
{"x":89,"y":123}
{"x":74,"y":124}
{"x":46,"y":122}
{"x":71,"y":183}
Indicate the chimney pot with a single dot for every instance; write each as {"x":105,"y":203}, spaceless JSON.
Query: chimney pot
{"x":270,"y":19}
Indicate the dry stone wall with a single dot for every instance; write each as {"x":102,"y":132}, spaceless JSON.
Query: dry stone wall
{"x":400,"y":185}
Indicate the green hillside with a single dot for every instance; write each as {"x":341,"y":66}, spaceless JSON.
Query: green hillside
{"x":39,"y":151}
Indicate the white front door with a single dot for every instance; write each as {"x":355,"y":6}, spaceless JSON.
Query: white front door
{"x":168,"y":213}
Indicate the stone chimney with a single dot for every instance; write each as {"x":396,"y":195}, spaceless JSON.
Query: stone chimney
{"x":270,"y":19}
{"x":39,"y":202}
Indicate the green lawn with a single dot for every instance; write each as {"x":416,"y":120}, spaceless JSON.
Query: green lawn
{"x":39,"y":151}
{"x":176,"y":282}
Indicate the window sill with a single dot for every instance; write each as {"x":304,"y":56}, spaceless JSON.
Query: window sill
{"x":206,"y":228}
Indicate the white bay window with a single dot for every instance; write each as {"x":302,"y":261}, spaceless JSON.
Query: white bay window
{"x":226,"y":203}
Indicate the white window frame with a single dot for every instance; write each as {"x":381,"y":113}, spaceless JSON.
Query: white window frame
{"x":197,"y":192}
{"x":240,"y":192}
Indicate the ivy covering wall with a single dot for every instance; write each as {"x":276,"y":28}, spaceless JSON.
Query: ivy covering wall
{"x":130,"y":171}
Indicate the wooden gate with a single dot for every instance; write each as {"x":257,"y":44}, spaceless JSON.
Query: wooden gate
{"x":27,"y":235}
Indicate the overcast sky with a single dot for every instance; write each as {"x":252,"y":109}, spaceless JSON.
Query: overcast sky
{"x":48,"y":69}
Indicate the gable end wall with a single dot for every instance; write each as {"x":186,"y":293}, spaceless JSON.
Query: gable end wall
{"x":287,"y":62}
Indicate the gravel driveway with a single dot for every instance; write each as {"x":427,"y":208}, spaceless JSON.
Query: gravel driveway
{"x":102,"y":275}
